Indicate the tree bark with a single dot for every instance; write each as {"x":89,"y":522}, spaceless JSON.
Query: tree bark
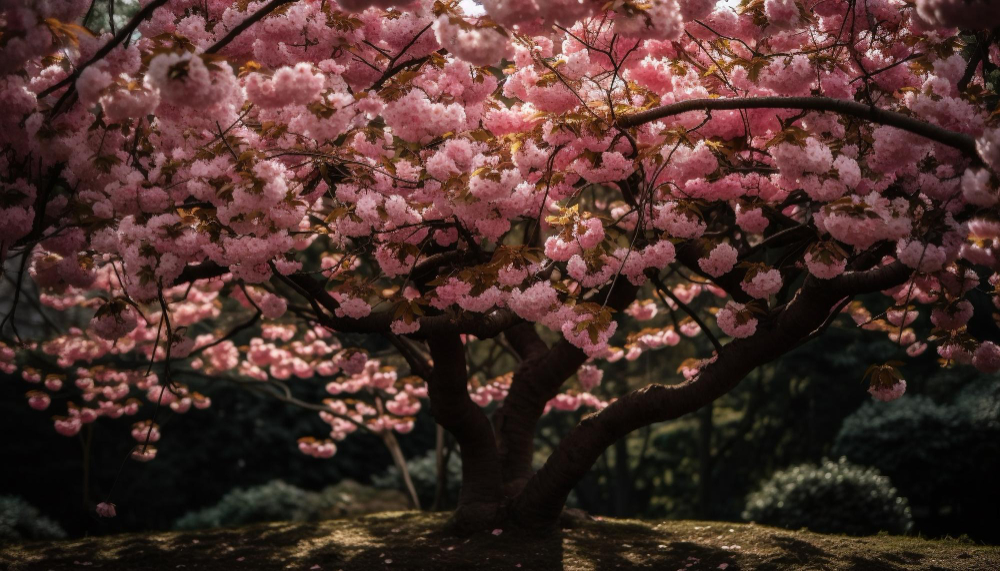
{"x":960,"y":141}
{"x":542,"y":499}
{"x":440,"y":468}
{"x":453,"y":409}
{"x":537,"y":380}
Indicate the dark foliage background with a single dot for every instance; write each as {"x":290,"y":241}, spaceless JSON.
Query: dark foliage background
{"x":243,"y":440}
{"x":938,"y":445}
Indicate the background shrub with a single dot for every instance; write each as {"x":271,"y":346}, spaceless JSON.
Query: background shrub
{"x":944,"y":457}
{"x":274,"y":501}
{"x":423,"y":472}
{"x":348,"y":498}
{"x":20,"y":520}
{"x":833,"y":497}
{"x":280,"y":501}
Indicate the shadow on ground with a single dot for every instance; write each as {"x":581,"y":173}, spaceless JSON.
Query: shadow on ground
{"x":415,"y":541}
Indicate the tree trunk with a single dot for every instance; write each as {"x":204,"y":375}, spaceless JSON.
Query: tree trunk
{"x":537,"y":380}
{"x":479,"y":502}
{"x":441,"y":469}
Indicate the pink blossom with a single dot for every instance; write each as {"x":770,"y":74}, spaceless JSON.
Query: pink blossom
{"x":824,"y":270}
{"x":68,"y":426}
{"x":143,"y":453}
{"x":106,"y":509}
{"x":414,"y":117}
{"x":386,"y":159}
{"x":642,"y":311}
{"x":114,"y":320}
{"x":987,"y":357}
{"x":976,"y":186}
{"x":589,"y":376}
{"x":763,"y":284}
{"x":613,"y":167}
{"x":534,"y":302}
{"x":583,"y":339}
{"x":560,"y":251}
{"x":890,"y":393}
{"x":953,"y":316}
{"x":690,"y":328}
{"x":181,"y":347}
{"x":288,"y":86}
{"x":590,"y":233}
{"x":272,"y":306}
{"x":901,"y":317}
{"x":736,"y":320}
{"x":353,"y":363}
{"x":316,"y":448}
{"x":781,"y":14}
{"x":720,"y":260}
{"x":478,"y":45}
{"x":955,"y":352}
{"x":565,"y":402}
{"x":751,"y":220}
{"x":90,"y":84}
{"x":145,"y":431}
{"x":401,"y":327}
{"x":658,"y":255}
{"x":39,"y":400}
{"x":354,"y":308}
{"x":184,"y":80}
{"x":677,"y":222}
{"x":920,"y":256}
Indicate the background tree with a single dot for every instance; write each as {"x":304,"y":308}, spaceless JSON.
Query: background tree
{"x":263,"y":192}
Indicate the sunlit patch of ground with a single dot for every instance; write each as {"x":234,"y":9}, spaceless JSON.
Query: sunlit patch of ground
{"x":412,"y":540}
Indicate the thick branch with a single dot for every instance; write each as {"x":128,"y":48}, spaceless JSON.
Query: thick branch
{"x":960,"y":141}
{"x":454,"y":410}
{"x":536,"y":381}
{"x":877,"y":279}
{"x":120,"y":37}
{"x":392,"y":71}
{"x":525,"y":341}
{"x":246,"y":23}
{"x":980,"y":55}
{"x":203,"y":271}
{"x":545,"y":494}
{"x":418,"y":364}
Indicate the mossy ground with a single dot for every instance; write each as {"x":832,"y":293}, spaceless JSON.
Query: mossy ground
{"x":411,"y":540}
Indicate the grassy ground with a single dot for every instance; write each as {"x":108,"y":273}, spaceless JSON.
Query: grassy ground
{"x":410,"y":540}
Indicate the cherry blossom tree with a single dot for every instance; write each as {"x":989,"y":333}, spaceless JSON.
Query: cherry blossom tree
{"x":367,"y":194}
